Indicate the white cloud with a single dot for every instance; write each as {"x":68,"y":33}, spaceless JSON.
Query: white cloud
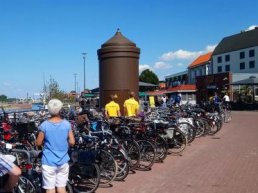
{"x":185,"y":54}
{"x":162,"y":65}
{"x":180,"y":64}
{"x":251,"y":27}
{"x":210,"y":48}
{"x":178,"y":60}
{"x":179,"y":54}
{"x":143,"y":67}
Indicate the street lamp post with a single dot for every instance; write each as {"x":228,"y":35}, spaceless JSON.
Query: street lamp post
{"x":75,"y":82}
{"x":84,"y":81}
{"x":75,"y":86}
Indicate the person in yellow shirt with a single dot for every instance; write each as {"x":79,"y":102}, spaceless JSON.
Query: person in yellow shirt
{"x":131,"y":106}
{"x":112,"y":108}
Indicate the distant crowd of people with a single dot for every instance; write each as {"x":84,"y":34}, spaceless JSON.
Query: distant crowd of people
{"x":131,"y":106}
{"x":216,"y":100}
{"x":172,"y":100}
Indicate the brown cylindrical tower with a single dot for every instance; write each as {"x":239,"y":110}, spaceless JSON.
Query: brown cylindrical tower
{"x":118,"y":69}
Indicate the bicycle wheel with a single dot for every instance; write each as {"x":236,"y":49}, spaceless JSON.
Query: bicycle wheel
{"x":228,"y":107}
{"x":148,"y":155}
{"x":161,"y":148}
{"x":220,"y":121}
{"x":213,"y":127}
{"x":188,"y":129}
{"x":227,"y":117}
{"x":178,"y":142}
{"x":133,"y":152}
{"x":200,"y":127}
{"x":84,"y":178}
{"x":206,"y":124}
{"x":25,"y":185}
{"x":122,"y":163}
{"x":107,"y":165}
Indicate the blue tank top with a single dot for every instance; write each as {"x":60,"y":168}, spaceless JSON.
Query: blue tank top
{"x":55,"y":152}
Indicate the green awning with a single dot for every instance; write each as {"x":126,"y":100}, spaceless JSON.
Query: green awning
{"x":87,"y":95}
{"x":142,"y":94}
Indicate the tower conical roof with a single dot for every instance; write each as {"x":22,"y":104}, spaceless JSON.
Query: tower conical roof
{"x":118,"y":40}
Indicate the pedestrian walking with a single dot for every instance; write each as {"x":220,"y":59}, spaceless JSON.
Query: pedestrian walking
{"x":216,"y":102}
{"x":178,"y":99}
{"x":226,"y":100}
{"x":164,"y":101}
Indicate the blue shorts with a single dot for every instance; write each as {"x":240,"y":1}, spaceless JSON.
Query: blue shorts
{"x":5,"y":165}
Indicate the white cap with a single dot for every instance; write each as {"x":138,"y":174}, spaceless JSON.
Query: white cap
{"x":54,"y":106}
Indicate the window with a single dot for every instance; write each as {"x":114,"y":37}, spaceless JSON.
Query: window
{"x":194,"y":98}
{"x":200,"y":72}
{"x":251,"y":53}
{"x":242,"y":55}
{"x":227,"y":58}
{"x":183,"y":96}
{"x":251,"y":64}
{"x":219,"y":59}
{"x":193,"y":80}
{"x":242,"y":65}
{"x":190,"y":96}
{"x":219,"y":68}
{"x":227,"y":68}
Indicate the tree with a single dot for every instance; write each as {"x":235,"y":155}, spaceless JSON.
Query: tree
{"x":52,"y":90}
{"x":3,"y":98}
{"x":149,"y":77}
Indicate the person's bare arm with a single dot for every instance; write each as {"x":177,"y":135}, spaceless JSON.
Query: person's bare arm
{"x":40,"y":138}
{"x":106,"y":114}
{"x":71,"y":139}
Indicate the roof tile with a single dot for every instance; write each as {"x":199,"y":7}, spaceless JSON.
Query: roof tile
{"x":183,"y":87}
{"x":200,"y":60}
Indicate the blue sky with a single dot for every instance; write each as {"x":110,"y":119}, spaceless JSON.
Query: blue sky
{"x":45,"y":38}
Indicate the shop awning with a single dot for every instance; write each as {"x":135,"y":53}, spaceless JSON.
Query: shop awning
{"x":252,"y":80}
{"x":156,"y":93}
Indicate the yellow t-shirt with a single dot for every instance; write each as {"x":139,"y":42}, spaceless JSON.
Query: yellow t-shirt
{"x":112,"y":108}
{"x":132,"y":106}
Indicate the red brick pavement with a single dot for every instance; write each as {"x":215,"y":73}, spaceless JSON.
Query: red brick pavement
{"x":224,"y":163}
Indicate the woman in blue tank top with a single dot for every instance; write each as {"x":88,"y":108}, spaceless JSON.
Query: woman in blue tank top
{"x":56,"y":135}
